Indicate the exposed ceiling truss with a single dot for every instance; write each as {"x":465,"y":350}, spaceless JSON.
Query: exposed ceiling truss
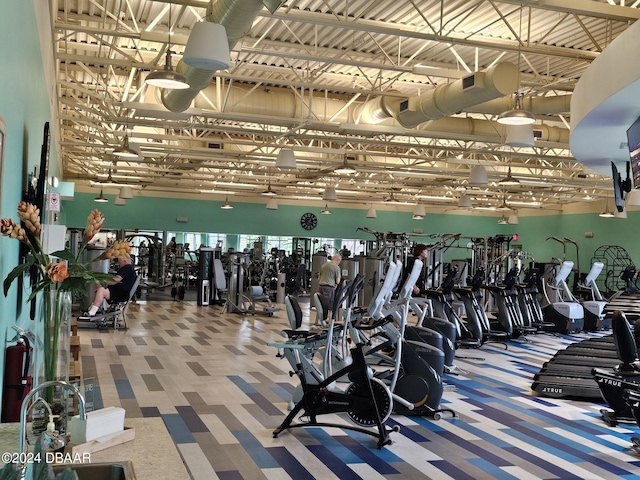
{"x":296,"y":79}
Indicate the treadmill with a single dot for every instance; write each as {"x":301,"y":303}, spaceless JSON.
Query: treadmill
{"x":569,"y":373}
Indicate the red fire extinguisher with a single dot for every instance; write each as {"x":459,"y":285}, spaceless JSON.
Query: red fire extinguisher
{"x":17,"y":379}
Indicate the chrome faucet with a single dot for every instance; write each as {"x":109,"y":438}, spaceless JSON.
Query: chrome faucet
{"x":24,"y":408}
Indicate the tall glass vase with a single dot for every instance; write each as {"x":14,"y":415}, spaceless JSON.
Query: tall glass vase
{"x":53,"y":346}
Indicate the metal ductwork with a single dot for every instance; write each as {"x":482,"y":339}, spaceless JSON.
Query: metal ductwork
{"x":446,"y":99}
{"x":236,"y":16}
{"x":490,"y":130}
{"x":378,"y":110}
{"x":480,"y":92}
{"x":535,"y":105}
{"x":284,"y":104}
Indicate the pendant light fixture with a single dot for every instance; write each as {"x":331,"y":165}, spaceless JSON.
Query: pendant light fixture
{"x":520,"y":136}
{"x":286,"y":158}
{"x":128,"y":151}
{"x":101,"y":198}
{"x":478,"y":176}
{"x":465,"y":202}
{"x":272,"y":204}
{"x":226,"y":205}
{"x":345,"y":168}
{"x":167,"y":78}
{"x":325,"y":210}
{"x":607,"y":213}
{"x":509,"y":180}
{"x":503,"y":205}
{"x":126,"y":192}
{"x":119,"y":201}
{"x":517,"y":116}
{"x":371,"y":213}
{"x":503,"y":221}
{"x":390,"y":198}
{"x":207,"y":47}
{"x":330,"y":194}
{"x":419,"y":212}
{"x":268,"y":192}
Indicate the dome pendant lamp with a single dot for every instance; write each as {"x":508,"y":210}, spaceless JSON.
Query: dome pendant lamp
{"x":517,"y":116}
{"x":128,"y":150}
{"x":101,"y":198}
{"x":226,"y":205}
{"x":478,"y":176}
{"x":167,"y":78}
{"x":371,"y":213}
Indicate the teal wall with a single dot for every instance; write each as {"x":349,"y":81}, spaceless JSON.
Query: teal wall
{"x":148,"y":213}
{"x":24,"y":107}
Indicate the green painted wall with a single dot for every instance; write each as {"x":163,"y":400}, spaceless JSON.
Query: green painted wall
{"x":24,"y":107}
{"x":150,"y":213}
{"x":247,"y":218}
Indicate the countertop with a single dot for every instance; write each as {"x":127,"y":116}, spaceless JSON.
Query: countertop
{"x":151,"y":451}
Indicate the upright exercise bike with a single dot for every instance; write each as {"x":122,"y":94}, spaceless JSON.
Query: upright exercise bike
{"x":367,"y":401}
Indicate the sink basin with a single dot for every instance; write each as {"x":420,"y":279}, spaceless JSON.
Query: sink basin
{"x":100,"y":471}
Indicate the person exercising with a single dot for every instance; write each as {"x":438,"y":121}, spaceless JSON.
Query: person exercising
{"x":118,"y":289}
{"x":419,"y":252}
{"x":329,"y":278}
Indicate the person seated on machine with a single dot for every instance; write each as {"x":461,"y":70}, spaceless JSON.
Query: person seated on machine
{"x":118,"y":289}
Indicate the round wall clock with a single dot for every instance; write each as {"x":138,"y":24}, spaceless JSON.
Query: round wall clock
{"x":308,"y":221}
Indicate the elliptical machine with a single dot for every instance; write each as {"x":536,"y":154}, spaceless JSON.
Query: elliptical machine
{"x":506,"y":297}
{"x":530,"y":308}
{"x":477,"y":320}
{"x":420,"y":332}
{"x":594,"y":318}
{"x":442,"y":308}
{"x":563,"y":310}
{"x":412,"y":369}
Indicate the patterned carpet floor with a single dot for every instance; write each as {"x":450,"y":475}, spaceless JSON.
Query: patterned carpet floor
{"x":221,"y":391}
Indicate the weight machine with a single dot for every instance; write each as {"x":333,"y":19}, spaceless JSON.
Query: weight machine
{"x":241,"y":295}
{"x":387,"y":247}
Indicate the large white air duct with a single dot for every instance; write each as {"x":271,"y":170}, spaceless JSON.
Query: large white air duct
{"x":535,"y":105}
{"x":482,"y":92}
{"x":446,"y":99}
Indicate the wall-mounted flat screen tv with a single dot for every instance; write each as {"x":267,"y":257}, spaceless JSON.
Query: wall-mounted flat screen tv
{"x":633,"y":137}
{"x":618,"y":193}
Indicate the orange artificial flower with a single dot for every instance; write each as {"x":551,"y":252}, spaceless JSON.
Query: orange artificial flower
{"x":94,"y":224}
{"x":118,"y":250}
{"x":30,"y":215}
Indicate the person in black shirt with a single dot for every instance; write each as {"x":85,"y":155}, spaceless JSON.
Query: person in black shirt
{"x":118,"y":289}
{"x":419,"y":252}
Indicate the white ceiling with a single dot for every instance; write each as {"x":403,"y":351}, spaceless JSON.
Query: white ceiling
{"x":298,"y":73}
